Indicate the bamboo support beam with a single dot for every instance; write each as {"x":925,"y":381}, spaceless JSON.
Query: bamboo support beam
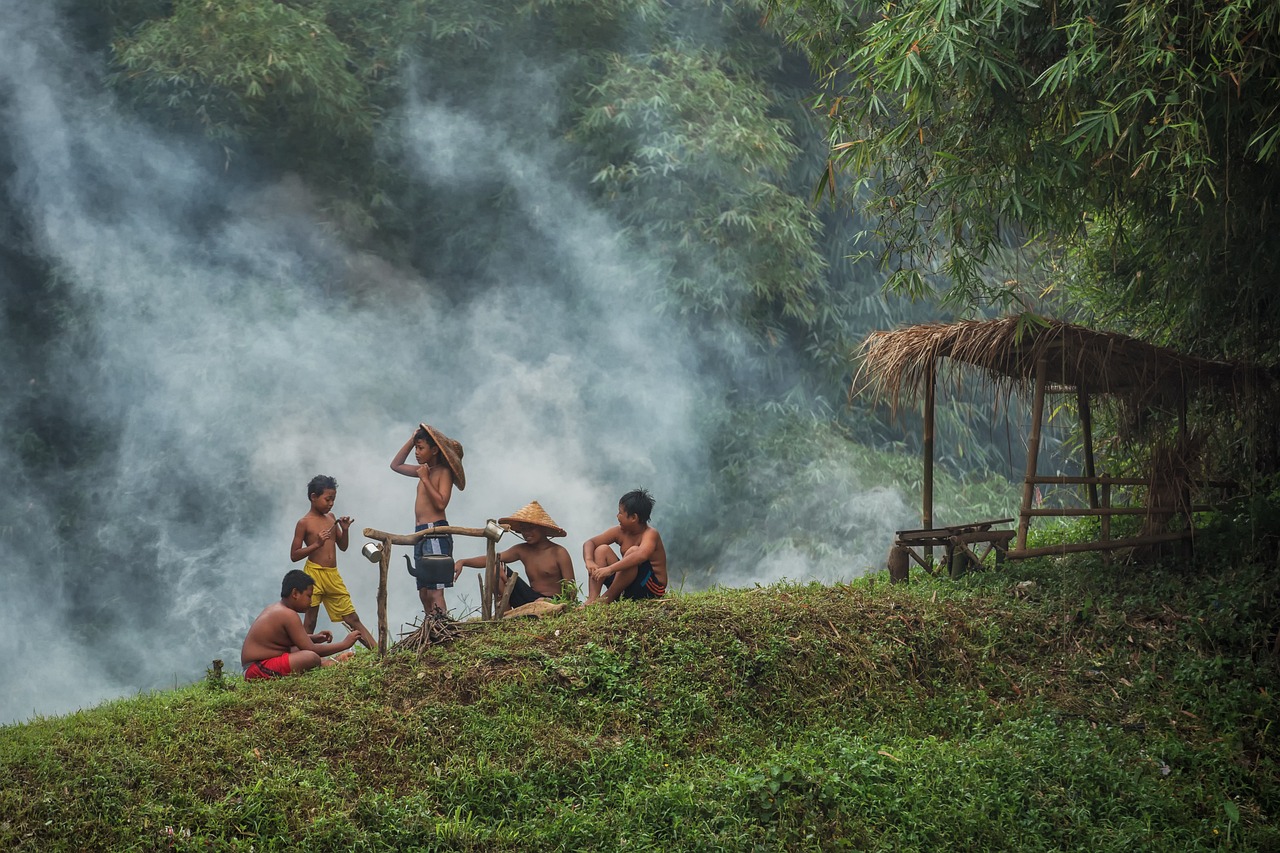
{"x":1114,"y":510}
{"x":1086,"y":431}
{"x":926,"y":486}
{"x":1033,"y":453}
{"x":1077,"y":547}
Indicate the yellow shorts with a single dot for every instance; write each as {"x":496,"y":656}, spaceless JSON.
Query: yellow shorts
{"x":330,"y":591}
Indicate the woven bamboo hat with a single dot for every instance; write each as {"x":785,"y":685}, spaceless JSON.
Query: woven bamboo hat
{"x":533,"y":513}
{"x":452,"y":453}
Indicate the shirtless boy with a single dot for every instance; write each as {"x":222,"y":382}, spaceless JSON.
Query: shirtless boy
{"x":547,"y":564}
{"x":641,"y":570}
{"x":317,"y":536}
{"x":438,"y":470}
{"x":277,"y":644}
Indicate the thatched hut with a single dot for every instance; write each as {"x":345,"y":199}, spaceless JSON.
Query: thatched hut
{"x":1035,"y":355}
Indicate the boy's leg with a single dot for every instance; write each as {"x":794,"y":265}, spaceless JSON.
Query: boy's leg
{"x":309,"y":620}
{"x":352,"y":620}
{"x":432,"y":602}
{"x":302,"y":660}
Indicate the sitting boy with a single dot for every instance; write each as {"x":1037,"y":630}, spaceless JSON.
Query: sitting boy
{"x":641,"y":570}
{"x":547,"y":564}
{"x":277,"y":644}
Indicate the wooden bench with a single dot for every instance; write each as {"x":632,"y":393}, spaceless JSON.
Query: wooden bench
{"x":964,"y":546}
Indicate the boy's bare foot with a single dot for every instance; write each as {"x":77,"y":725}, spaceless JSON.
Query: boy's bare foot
{"x":341,"y":656}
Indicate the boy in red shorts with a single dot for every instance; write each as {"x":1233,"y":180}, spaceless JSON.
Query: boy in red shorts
{"x":277,"y":644}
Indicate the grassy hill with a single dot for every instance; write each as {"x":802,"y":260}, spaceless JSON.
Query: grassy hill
{"x":1094,"y":709}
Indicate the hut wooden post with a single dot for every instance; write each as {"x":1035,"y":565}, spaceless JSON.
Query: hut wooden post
{"x":1086,"y":429}
{"x":1033,"y":453}
{"x":384,"y":562}
{"x":926,"y":485}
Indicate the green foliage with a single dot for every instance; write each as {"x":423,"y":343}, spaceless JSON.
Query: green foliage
{"x":239,"y":68}
{"x":1141,"y":137}
{"x":866,"y":716}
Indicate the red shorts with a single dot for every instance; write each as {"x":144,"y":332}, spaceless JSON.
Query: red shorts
{"x":269,"y":668}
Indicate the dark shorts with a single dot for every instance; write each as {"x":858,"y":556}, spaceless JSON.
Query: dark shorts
{"x":523,"y":593}
{"x":430,"y":577}
{"x":269,"y":668}
{"x":646,"y":584}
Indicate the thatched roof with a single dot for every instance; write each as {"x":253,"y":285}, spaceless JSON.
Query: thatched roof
{"x":1005,"y":352}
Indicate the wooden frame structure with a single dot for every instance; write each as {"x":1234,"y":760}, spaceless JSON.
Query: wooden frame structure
{"x":493,"y":603}
{"x":1027,"y":353}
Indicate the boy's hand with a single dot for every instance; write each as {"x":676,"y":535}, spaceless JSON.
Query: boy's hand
{"x":457,"y":569}
{"x":346,"y":521}
{"x":327,"y":533}
{"x":322,"y":637}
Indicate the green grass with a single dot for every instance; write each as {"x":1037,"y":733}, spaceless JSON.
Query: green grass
{"x":1105,"y":709}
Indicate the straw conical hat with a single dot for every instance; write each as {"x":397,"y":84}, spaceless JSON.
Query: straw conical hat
{"x":533,"y":513}
{"x":452,"y":453}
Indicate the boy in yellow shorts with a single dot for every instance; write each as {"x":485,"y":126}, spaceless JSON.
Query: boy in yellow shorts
{"x":315,"y":537}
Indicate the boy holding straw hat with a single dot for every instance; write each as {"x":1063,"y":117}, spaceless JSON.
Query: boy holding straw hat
{"x":438,"y":470}
{"x":547,"y":564}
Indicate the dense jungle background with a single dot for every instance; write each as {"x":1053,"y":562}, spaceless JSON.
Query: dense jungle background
{"x":604,"y":244}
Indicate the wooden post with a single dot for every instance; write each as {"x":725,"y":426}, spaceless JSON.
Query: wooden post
{"x":384,"y":562}
{"x":1086,"y":428}
{"x":1033,"y":453}
{"x":491,"y":577}
{"x":899,"y":565}
{"x":926,"y":485}
{"x":505,"y":604}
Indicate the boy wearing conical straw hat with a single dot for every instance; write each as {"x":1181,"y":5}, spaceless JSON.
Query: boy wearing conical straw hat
{"x":638,"y":569}
{"x":547,"y":564}
{"x":438,"y":470}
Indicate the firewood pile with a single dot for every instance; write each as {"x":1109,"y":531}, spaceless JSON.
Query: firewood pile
{"x":432,"y":630}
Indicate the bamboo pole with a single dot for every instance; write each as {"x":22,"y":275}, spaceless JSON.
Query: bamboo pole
{"x":1033,"y":453}
{"x":926,"y":486}
{"x":1086,"y":429}
{"x":1077,"y":547}
{"x":1104,"y":512}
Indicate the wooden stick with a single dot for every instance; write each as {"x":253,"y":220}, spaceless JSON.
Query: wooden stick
{"x":491,"y":577}
{"x":412,"y":538}
{"x":506,"y":596}
{"x":1086,"y":431}
{"x":384,"y":562}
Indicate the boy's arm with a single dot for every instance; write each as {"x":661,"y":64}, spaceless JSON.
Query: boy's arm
{"x":298,"y":550}
{"x":398,"y":463}
{"x":510,"y":555}
{"x":343,"y":525}
{"x":637,"y":555}
{"x":299,"y":638}
{"x":589,"y":547}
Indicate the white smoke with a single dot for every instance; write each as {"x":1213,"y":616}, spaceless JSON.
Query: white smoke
{"x":222,"y":345}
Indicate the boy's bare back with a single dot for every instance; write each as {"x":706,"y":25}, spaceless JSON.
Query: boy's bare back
{"x":272,"y":633}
